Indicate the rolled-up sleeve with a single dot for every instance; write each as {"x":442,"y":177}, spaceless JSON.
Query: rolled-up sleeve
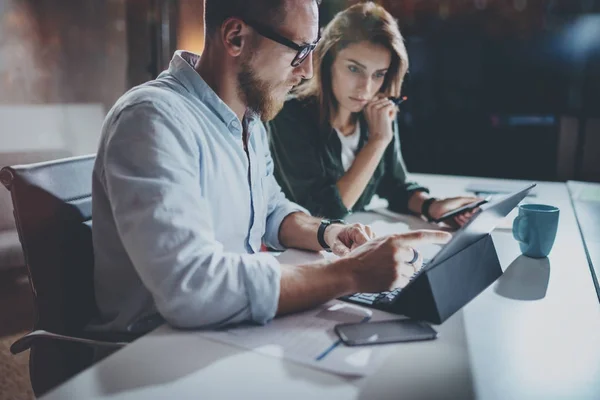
{"x":151,"y":175}
{"x":278,"y":206}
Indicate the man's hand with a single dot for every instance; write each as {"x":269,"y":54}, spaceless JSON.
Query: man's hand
{"x":381,"y":264}
{"x":441,"y":207}
{"x":344,"y":238}
{"x":378,"y":265}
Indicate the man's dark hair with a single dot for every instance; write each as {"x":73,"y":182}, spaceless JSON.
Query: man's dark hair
{"x":271,"y":12}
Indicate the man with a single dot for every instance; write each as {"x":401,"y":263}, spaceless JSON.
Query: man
{"x":184,"y":194}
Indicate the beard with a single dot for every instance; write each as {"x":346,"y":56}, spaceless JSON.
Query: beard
{"x":258,"y":94}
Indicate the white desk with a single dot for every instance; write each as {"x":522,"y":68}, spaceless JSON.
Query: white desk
{"x":586,"y":201}
{"x":534,"y":334}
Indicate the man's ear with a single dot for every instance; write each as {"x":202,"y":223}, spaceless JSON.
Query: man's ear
{"x":234,"y":34}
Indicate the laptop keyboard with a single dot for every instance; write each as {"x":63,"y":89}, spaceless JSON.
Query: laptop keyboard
{"x":373,"y":298}
{"x":382,"y":298}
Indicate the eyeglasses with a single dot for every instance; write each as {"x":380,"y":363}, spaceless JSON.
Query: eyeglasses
{"x":303,"y":51}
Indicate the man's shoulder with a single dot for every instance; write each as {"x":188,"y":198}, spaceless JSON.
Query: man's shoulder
{"x":152,"y":96}
{"x":143,"y":114}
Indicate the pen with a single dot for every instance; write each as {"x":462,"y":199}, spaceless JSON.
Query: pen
{"x":337,"y":343}
{"x":398,"y":100}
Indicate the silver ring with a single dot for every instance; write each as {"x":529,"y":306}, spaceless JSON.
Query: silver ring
{"x":415,"y":257}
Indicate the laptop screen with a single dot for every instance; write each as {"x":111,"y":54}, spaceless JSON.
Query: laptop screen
{"x":482,"y":223}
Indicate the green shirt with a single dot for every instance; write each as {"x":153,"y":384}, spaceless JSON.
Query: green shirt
{"x":308,"y":164}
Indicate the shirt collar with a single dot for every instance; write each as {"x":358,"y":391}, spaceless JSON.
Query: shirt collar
{"x":182,"y":68}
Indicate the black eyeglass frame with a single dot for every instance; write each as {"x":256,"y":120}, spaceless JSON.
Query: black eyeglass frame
{"x":303,"y":51}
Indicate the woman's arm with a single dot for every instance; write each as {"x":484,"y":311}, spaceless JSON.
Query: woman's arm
{"x":416,"y":200}
{"x":352,"y":185}
{"x":380,"y":114}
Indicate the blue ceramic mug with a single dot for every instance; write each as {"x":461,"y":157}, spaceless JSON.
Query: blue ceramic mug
{"x":535,"y":229}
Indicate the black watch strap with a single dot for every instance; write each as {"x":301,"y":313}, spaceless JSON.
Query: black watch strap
{"x":321,"y":231}
{"x":425,"y":208}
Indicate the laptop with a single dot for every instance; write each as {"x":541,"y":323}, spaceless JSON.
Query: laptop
{"x":481,"y":224}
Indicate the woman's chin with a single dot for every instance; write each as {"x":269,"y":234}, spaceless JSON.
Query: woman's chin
{"x":355,"y":108}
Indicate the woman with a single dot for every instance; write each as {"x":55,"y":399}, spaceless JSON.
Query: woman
{"x":335,"y":143}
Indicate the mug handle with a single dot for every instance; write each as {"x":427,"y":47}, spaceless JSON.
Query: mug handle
{"x":518,"y":230}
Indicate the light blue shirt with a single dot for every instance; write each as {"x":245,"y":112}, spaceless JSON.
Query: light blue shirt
{"x":177,"y":220}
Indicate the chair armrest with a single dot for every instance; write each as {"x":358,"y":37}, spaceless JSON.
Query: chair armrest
{"x":26,"y":341}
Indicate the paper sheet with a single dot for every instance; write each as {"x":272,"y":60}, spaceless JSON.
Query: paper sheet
{"x":309,"y":338}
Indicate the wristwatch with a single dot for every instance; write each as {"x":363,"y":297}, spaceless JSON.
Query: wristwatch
{"x":425,"y":208}
{"x":321,"y":231}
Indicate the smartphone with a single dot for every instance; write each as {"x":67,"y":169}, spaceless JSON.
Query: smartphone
{"x":399,"y":330}
{"x":462,"y":209}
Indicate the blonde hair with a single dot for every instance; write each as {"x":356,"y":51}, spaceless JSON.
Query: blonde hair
{"x":361,"y":22}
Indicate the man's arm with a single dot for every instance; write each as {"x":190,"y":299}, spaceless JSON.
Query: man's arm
{"x":299,"y":231}
{"x":378,"y":265}
{"x":306,"y":286}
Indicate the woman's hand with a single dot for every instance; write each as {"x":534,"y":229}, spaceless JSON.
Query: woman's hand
{"x":380,"y":114}
{"x":443,"y":206}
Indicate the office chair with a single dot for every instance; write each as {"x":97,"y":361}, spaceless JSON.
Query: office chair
{"x":52,"y":208}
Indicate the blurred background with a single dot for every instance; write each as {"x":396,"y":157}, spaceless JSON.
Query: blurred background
{"x":500,"y":88}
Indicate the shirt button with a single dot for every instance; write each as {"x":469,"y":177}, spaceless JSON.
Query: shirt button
{"x":235,"y":125}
